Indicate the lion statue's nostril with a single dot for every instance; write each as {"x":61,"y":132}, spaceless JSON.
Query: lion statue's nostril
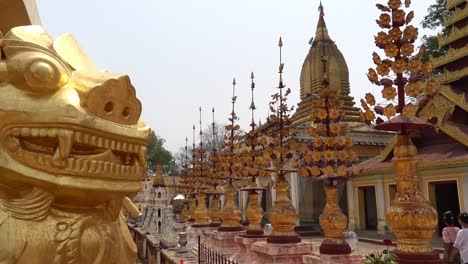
{"x":109,"y":107}
{"x":126,"y":112}
{"x":113,"y":100}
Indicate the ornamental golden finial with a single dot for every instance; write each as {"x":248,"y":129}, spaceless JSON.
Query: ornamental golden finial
{"x":252,"y":168}
{"x":200,"y":170}
{"x":283,"y":215}
{"x":230,"y":170}
{"x":402,"y":67}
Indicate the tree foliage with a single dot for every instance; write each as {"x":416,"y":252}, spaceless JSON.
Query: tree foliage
{"x":434,"y":20}
{"x":213,"y":136}
{"x":157,"y":153}
{"x":209,"y":139}
{"x":435,"y":15}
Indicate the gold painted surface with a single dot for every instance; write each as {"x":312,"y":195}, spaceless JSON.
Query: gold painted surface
{"x":231,"y":214}
{"x":457,"y":98}
{"x":283,"y":216}
{"x":454,"y":35}
{"x":411,"y":217}
{"x":312,"y":71}
{"x":201,"y":212}
{"x":451,"y":76}
{"x":332,"y":220}
{"x":451,"y":56}
{"x":185,"y":214}
{"x":456,"y":16}
{"x":193,"y":206}
{"x":214,"y":211}
{"x":254,"y":213}
{"x":444,"y":108}
{"x":65,"y":168}
{"x":453,"y":3}
{"x":455,"y":132}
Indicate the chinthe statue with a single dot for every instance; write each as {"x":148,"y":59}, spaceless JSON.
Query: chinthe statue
{"x":72,"y":148}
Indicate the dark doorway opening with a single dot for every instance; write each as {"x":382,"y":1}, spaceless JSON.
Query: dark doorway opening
{"x":368,"y":207}
{"x":446,"y":199}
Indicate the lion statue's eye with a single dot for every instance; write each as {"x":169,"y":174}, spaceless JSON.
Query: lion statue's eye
{"x":41,"y":71}
{"x":44,"y":76}
{"x":35,"y":71}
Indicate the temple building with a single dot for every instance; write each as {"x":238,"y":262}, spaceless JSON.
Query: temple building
{"x":154,"y":202}
{"x":443,"y":151}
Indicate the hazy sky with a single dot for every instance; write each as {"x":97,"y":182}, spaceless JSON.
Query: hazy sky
{"x":182,"y":54}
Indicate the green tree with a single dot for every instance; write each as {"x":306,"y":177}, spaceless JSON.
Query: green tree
{"x":157,"y":153}
{"x":434,"y":20}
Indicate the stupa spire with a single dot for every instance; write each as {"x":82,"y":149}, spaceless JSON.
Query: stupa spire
{"x":321,"y":34}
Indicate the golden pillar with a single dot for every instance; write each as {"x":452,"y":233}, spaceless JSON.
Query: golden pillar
{"x":333,"y":222}
{"x":283,"y":216}
{"x":201,"y":212}
{"x":411,"y":217}
{"x":231,"y":214}
{"x":254,"y":213}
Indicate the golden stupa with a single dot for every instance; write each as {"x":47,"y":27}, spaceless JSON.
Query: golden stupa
{"x":312,"y":74}
{"x":368,"y":142}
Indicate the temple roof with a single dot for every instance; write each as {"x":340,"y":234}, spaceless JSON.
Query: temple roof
{"x":444,"y":153}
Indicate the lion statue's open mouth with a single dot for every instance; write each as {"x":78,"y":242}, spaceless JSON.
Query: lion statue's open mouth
{"x":76,"y":151}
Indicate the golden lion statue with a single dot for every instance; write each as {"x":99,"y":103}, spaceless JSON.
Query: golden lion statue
{"x":71,"y":149}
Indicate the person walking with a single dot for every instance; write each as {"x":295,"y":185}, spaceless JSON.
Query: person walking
{"x":449,"y":234}
{"x":461,"y":242}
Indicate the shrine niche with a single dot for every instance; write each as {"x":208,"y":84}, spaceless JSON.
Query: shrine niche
{"x":72,"y":149}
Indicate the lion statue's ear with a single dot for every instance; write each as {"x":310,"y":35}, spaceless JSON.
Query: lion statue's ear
{"x":70,"y":51}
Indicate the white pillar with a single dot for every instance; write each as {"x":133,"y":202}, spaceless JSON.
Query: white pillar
{"x":295,"y":190}
{"x":465,"y":191}
{"x":380,"y":202}
{"x":245,"y":197}
{"x":223,"y":200}
{"x":273,"y":196}
{"x":351,"y":215}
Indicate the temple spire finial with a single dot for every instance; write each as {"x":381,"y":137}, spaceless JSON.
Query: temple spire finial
{"x":281,"y":66}
{"x":321,"y":34}
{"x":322,"y":13}
{"x":252,"y":103}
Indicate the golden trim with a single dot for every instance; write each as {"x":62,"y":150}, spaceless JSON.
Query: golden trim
{"x":451,"y":56}
{"x":448,"y":77}
{"x":433,"y":179}
{"x":458,"y":15}
{"x":453,"y":3}
{"x":388,"y":149}
{"x":455,"y":132}
{"x":422,"y":166}
{"x":458,"y":99}
{"x":454,"y":35}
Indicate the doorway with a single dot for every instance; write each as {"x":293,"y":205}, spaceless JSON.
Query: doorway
{"x":444,"y":197}
{"x":367,"y":207}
